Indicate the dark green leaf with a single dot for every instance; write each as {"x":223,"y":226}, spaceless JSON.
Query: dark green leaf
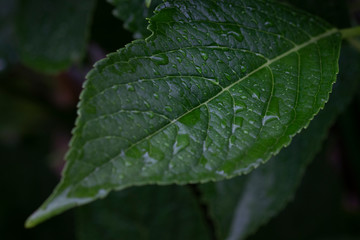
{"x":52,"y":34}
{"x":240,"y":205}
{"x":134,"y":14}
{"x":7,"y":46}
{"x":218,"y":88}
{"x":151,"y":212}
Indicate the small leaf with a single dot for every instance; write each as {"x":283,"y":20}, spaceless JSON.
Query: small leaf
{"x":240,"y":205}
{"x":134,"y":14}
{"x":216,"y":90}
{"x":52,"y":34}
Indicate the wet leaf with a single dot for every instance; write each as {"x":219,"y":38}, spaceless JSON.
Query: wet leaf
{"x":216,"y":90}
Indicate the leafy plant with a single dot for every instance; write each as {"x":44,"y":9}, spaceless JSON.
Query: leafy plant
{"x":225,"y":96}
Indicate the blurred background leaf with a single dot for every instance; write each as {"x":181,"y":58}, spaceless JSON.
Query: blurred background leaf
{"x":150,"y":212}
{"x":52,"y":34}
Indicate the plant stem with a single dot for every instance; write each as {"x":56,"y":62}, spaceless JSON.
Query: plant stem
{"x":350,"y":32}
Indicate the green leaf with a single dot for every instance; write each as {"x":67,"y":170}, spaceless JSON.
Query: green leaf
{"x":52,"y":34}
{"x":151,"y":212}
{"x":216,"y":90}
{"x":134,"y":14}
{"x":240,"y":205}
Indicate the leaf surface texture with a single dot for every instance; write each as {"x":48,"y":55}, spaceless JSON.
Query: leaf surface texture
{"x":217,"y":89}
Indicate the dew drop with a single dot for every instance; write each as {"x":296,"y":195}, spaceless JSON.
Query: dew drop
{"x":243,"y":69}
{"x":228,"y":76}
{"x":268,"y":24}
{"x":238,"y":36}
{"x":204,"y":56}
{"x":151,"y":114}
{"x":255,"y":93}
{"x":182,"y":52}
{"x":130,"y":87}
{"x":146,"y":104}
{"x":182,"y":141}
{"x":156,"y":72}
{"x":168,"y":108}
{"x":239,"y":106}
{"x":273,"y":112}
{"x":179,"y":59}
{"x":148,"y":160}
{"x":160,"y":59}
{"x":198,"y":69}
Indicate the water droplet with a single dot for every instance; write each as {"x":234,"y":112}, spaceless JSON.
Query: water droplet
{"x":182,"y":141}
{"x":204,"y":56}
{"x":182,"y":52}
{"x":156,"y":71}
{"x":130,"y":87}
{"x":255,"y":93}
{"x":238,"y":36}
{"x":198,"y":69}
{"x":228,"y":76}
{"x":160,"y":59}
{"x":151,"y":114}
{"x":168,"y":108}
{"x":223,"y":123}
{"x":246,"y":132}
{"x":239,"y":106}
{"x":273,"y":112}
{"x":179,"y":59}
{"x":148,"y":160}
{"x":243,"y":69}
{"x":268,"y":24}
{"x":146,"y":104}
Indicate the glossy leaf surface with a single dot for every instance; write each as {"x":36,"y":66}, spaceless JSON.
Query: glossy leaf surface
{"x":53,"y":36}
{"x":134,"y":13}
{"x":218,"y":88}
{"x":240,"y":205}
